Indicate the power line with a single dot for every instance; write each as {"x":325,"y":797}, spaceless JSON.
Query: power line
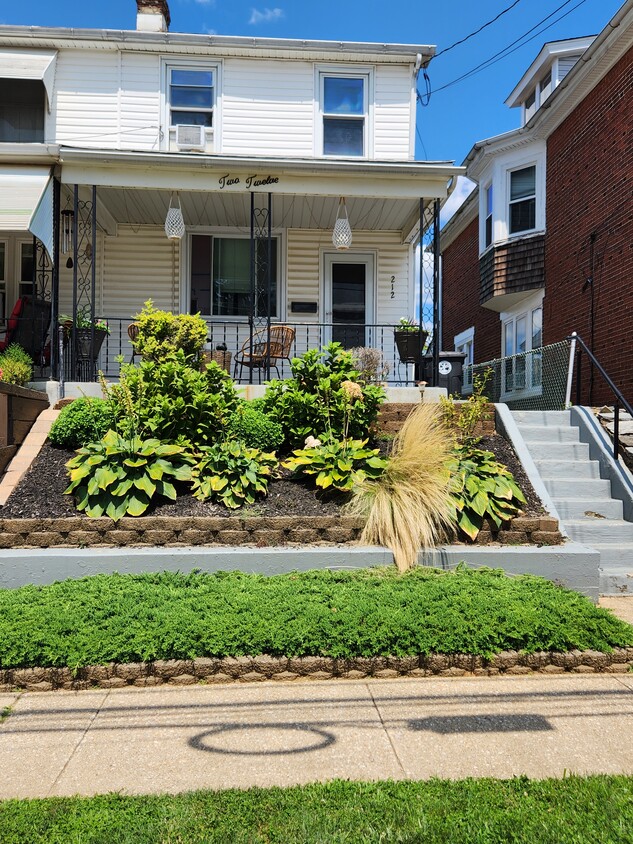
{"x":477,"y":31}
{"x":521,"y":41}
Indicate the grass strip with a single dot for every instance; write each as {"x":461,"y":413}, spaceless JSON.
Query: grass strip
{"x":575,"y":810}
{"x":373,"y":612}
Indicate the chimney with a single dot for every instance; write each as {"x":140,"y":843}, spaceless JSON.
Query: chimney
{"x":152,"y":15}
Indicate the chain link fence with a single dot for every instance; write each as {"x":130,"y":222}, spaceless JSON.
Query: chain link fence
{"x":535,"y":380}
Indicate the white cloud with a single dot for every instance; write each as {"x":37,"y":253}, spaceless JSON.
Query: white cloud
{"x":206,"y":29}
{"x":461,"y":193}
{"x":265,"y":15}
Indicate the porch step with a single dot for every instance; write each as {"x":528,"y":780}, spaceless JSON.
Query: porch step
{"x":582,"y":498}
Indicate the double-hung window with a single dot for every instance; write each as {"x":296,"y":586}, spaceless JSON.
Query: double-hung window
{"x":191,"y":96}
{"x":344,"y":110}
{"x":488,"y":220}
{"x":522,"y":205}
{"x":221,"y":276}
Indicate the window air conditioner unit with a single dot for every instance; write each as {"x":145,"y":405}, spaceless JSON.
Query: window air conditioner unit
{"x":191,"y":137}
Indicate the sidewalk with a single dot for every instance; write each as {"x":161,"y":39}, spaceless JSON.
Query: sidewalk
{"x":179,"y":739}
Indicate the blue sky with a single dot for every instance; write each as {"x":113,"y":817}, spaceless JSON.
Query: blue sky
{"x":455,"y":118}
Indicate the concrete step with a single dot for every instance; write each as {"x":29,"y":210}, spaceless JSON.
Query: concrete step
{"x":541,"y":417}
{"x":597,"y":533}
{"x":554,"y":434}
{"x":568,"y":469}
{"x":619,"y":555}
{"x":579,"y":508}
{"x":559,"y":451}
{"x":594,"y":490}
{"x":616,"y":580}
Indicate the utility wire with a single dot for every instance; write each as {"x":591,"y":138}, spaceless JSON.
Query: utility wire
{"x":521,"y":41}
{"x":477,"y":31}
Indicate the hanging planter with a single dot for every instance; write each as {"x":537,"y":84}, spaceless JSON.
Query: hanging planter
{"x":410,"y":340}
{"x":174,"y":222}
{"x":342,"y":234}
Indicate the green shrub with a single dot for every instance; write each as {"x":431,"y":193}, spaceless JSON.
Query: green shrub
{"x":172,"y":401}
{"x":161,"y":333}
{"x":119,"y":477}
{"x":254,"y":428}
{"x":232,"y":474}
{"x":83,"y":421}
{"x":316,"y":402}
{"x":340,"y":465}
{"x":481,"y":489}
{"x":471,"y":412}
{"x":16,"y":366}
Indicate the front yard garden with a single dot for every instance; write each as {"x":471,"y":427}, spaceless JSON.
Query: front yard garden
{"x":173,"y":438}
{"x":575,"y":810}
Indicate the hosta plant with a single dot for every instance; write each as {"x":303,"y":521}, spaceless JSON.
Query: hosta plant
{"x":233,"y":474}
{"x":119,"y":477}
{"x":481,"y":489}
{"x":335,"y":464}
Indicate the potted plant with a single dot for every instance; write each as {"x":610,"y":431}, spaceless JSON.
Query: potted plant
{"x":84,"y":325}
{"x":410,"y":340}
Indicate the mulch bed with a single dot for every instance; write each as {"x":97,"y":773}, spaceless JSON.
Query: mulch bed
{"x":40,"y":495}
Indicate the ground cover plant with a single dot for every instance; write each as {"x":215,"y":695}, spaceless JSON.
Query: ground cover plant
{"x":373,"y":612}
{"x":574,"y":810}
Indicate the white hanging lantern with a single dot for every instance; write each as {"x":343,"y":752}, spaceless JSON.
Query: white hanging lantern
{"x":174,"y":222}
{"x":342,"y":234}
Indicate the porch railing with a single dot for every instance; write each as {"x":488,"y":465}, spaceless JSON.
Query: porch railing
{"x":235,"y":335}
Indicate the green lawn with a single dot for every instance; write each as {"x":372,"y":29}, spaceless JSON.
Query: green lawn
{"x":129,"y":618}
{"x":593,"y":810}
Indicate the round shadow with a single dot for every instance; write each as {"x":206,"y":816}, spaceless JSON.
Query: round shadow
{"x":200,"y":741}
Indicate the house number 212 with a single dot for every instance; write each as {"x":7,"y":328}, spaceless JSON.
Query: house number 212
{"x":393,"y":292}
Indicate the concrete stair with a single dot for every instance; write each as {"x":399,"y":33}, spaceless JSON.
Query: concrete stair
{"x":583,"y":499}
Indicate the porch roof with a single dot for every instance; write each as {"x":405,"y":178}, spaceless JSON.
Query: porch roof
{"x":215,"y":190}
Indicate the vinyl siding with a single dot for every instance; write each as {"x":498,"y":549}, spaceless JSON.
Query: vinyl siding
{"x":267,"y":107}
{"x":140,"y":102}
{"x":85,"y":112}
{"x":392,"y":112}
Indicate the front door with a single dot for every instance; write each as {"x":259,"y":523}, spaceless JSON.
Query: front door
{"x":349,"y":281}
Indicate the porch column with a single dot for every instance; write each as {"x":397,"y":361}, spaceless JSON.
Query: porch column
{"x":82,"y":341}
{"x":261,"y":276}
{"x":430,"y":279}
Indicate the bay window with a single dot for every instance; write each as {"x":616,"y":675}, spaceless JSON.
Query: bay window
{"x":522,"y":204}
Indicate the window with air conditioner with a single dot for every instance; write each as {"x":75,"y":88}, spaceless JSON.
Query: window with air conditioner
{"x":190,"y":107}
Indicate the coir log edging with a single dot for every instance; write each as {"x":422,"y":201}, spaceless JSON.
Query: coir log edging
{"x":245,"y":669}
{"x":261,"y":531}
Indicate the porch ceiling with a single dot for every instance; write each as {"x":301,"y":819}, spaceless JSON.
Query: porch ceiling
{"x":149,"y":207}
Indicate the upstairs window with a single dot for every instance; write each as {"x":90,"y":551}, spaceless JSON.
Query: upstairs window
{"x":488,"y":222}
{"x":191,"y":97}
{"x":344,"y":109}
{"x":22,"y":105}
{"x":522,"y":205}
{"x":530,"y":105}
{"x":545,"y":86}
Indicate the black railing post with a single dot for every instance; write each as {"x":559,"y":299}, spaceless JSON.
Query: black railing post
{"x":616,"y":429}
{"x":578,"y":376}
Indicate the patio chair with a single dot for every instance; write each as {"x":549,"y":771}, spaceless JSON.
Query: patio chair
{"x":28,"y":327}
{"x":256,"y":354}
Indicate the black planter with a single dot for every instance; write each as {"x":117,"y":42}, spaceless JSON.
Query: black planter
{"x":410,"y":345}
{"x":84,"y":339}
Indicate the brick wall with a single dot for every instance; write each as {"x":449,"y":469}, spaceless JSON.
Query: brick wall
{"x":590,"y":190}
{"x":460,"y":297}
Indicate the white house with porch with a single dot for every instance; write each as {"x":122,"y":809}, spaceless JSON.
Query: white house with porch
{"x":261,"y":143}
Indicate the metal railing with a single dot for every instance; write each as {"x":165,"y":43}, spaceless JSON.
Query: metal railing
{"x":235,"y":335}
{"x":578,"y":346}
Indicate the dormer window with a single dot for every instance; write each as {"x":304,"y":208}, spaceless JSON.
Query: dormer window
{"x":545,"y":86}
{"x":530,"y":105}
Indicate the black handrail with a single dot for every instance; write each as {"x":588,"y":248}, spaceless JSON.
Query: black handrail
{"x":619,"y":398}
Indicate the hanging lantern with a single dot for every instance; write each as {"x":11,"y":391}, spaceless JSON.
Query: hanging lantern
{"x":174,"y":222}
{"x":68,"y":219}
{"x":342,"y":234}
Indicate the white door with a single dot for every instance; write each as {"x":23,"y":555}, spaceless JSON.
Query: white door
{"x":349,"y":298}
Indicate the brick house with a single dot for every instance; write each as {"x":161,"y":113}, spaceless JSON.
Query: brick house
{"x":544,"y":244}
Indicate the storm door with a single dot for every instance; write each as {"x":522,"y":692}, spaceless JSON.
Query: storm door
{"x":349,"y":298}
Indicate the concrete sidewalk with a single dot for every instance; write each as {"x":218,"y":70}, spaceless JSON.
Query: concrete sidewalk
{"x":169,"y":740}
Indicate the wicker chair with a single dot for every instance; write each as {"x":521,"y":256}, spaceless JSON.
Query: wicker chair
{"x":256,"y":353}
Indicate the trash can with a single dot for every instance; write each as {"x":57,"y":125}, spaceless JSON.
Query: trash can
{"x":450,"y":371}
